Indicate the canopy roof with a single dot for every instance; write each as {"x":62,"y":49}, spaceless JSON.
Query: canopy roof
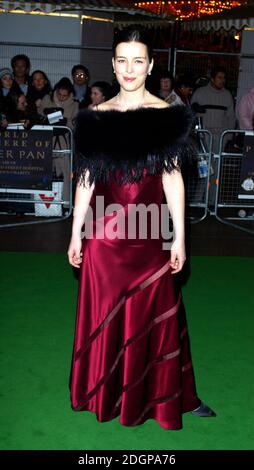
{"x":238,"y":18}
{"x":123,"y":11}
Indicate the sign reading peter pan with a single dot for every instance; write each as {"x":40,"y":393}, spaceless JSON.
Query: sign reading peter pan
{"x":26,"y":159}
{"x":246,"y":190}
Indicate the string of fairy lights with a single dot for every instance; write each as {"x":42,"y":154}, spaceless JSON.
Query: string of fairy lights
{"x":184,"y":9}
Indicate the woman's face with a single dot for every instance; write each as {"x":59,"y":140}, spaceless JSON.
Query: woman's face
{"x":22,"y":103}
{"x":165,"y":84}
{"x":97,"y":96}
{"x":39,"y":81}
{"x":62,"y":94}
{"x":7,"y":81}
{"x":131,"y":65}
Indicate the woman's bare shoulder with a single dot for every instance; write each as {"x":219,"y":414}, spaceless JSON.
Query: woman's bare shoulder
{"x":155,"y":102}
{"x":107,"y":105}
{"x":152,"y":101}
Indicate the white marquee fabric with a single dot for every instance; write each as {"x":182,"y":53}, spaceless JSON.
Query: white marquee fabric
{"x":238,"y":18}
{"x":124,"y":13}
{"x":226,"y":24}
{"x":79,"y":5}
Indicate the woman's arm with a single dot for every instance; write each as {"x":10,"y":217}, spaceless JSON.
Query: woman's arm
{"x":82,"y":200}
{"x":173,"y":187}
{"x":45,"y":103}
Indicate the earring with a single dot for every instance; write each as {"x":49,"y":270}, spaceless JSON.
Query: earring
{"x":149,"y":73}
{"x":114,"y":71}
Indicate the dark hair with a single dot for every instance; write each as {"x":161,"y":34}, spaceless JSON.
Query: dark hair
{"x":105,"y":88}
{"x":80,"y":67}
{"x":169,"y":75}
{"x":166,"y":74}
{"x":64,"y":83}
{"x":217,"y":70}
{"x":184,"y":80}
{"x":133,"y":34}
{"x":48,"y":86}
{"x":15,"y":98}
{"x":21,"y":57}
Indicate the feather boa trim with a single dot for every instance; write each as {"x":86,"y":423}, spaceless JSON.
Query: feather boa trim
{"x":123,"y":145}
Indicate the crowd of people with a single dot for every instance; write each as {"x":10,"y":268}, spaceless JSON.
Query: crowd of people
{"x":29,"y":99}
{"x":210,"y":99}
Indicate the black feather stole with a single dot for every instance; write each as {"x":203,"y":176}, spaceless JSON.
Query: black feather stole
{"x":124,"y":144}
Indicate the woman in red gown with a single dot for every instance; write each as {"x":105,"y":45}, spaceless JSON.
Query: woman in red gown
{"x":131,"y":354}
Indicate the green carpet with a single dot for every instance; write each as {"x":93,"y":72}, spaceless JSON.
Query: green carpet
{"x":38,"y":298}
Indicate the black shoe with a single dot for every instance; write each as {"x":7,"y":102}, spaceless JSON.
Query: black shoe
{"x":203,"y":411}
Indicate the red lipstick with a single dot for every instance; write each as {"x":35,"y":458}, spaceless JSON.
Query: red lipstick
{"x":128,"y":79}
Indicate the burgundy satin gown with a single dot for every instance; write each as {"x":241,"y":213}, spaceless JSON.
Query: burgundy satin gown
{"x":131,"y":353}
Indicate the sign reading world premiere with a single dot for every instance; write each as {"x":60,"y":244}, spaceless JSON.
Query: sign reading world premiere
{"x":26,"y":159}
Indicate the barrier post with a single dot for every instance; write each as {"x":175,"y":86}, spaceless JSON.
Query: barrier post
{"x":197,"y":180}
{"x":229,"y":208}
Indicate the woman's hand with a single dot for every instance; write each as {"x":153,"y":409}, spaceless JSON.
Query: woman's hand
{"x":178,"y":256}
{"x":74,"y":252}
{"x":38,"y":103}
{"x":25,"y":122}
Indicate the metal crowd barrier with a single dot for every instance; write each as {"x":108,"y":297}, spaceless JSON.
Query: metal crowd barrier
{"x":197,"y":178}
{"x":33,"y":204}
{"x":229,"y":209}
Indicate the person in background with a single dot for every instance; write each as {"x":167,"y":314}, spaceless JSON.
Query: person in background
{"x":175,"y":93}
{"x":21,"y":68}
{"x":40,"y":86}
{"x":183,"y":90}
{"x":23,"y":112}
{"x":100,"y":91}
{"x":8,"y":88}
{"x":215,"y":105}
{"x":3,"y":121}
{"x":80,"y":76}
{"x":245,"y":110}
{"x":62,"y":98}
{"x":166,"y":86}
